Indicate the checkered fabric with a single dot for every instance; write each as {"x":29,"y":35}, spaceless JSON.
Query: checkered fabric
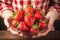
{"x":17,"y":4}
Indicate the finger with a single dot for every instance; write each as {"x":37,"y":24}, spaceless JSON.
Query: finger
{"x":43,"y":33}
{"x":20,"y":34}
{"x":34,"y":36}
{"x":13,"y":31}
{"x":6,"y":22}
{"x":50,"y":23}
{"x":39,"y":35}
{"x":25,"y":35}
{"x":52,"y":29}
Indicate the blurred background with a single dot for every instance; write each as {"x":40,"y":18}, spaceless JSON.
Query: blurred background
{"x":2,"y":26}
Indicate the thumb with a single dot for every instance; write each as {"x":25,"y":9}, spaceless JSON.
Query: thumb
{"x":50,"y":24}
{"x":6,"y":22}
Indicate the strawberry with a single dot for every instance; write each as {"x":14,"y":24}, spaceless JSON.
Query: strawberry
{"x":42,"y":25}
{"x":33,"y":30}
{"x":1,"y":8}
{"x":19,"y":15}
{"x":14,"y":22}
{"x":29,"y":19}
{"x":29,"y":8}
{"x":38,"y":14}
{"x":22,"y":26}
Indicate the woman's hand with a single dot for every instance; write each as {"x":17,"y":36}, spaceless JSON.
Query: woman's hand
{"x":6,"y":15}
{"x":51,"y":16}
{"x":7,"y":22}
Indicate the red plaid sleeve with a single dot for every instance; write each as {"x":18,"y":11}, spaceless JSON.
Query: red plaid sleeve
{"x":55,"y":4}
{"x":5,"y":4}
{"x":17,"y":4}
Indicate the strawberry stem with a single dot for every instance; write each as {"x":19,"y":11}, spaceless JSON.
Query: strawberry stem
{"x":43,"y":14}
{"x":44,"y":21}
{"x":13,"y":16}
{"x":38,"y":9}
{"x":35,"y":26}
{"x":17,"y":25}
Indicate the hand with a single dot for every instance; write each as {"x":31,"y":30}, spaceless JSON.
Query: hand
{"x":51,"y":16}
{"x":7,"y":21}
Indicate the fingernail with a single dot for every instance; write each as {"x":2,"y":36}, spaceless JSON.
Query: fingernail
{"x":33,"y":36}
{"x":38,"y":35}
{"x":21,"y":34}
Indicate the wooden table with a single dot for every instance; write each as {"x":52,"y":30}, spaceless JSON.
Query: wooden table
{"x":4,"y":35}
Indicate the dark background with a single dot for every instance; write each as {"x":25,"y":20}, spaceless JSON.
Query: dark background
{"x":2,"y":26}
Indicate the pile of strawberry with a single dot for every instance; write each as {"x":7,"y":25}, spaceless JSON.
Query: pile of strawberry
{"x":29,"y":20}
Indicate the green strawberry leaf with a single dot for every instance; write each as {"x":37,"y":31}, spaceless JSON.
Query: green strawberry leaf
{"x":17,"y":24}
{"x":35,"y":26}
{"x":38,"y":9}
{"x":44,"y":21}
{"x":13,"y":16}
{"x":43,"y":14}
{"x":32,"y":6}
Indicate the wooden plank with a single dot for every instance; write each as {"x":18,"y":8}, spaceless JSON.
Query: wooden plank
{"x":8,"y":36}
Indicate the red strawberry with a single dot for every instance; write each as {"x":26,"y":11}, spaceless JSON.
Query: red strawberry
{"x":33,"y":30}
{"x":22,"y":26}
{"x":14,"y":22}
{"x":38,"y":14}
{"x":42,"y":25}
{"x":29,"y":19}
{"x":1,"y":8}
{"x":29,"y":8}
{"x":19,"y":15}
